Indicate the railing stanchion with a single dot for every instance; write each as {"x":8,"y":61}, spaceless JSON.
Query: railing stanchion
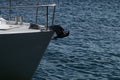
{"x":47,"y":18}
{"x":36,"y":13}
{"x":9,"y":10}
{"x":53,"y":15}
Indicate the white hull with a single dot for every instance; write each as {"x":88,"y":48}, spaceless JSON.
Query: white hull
{"x":21,"y":53}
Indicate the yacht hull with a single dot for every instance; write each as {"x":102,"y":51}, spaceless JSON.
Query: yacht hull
{"x":20,"y":54}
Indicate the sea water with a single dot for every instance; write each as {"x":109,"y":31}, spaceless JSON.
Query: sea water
{"x":92,"y":51}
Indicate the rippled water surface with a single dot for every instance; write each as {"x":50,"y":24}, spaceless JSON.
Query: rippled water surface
{"x":92,"y":51}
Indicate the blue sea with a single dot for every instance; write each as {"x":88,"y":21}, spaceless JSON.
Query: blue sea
{"x":92,"y":51}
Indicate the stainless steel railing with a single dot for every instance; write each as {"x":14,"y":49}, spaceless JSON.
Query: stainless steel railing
{"x":11,"y":7}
